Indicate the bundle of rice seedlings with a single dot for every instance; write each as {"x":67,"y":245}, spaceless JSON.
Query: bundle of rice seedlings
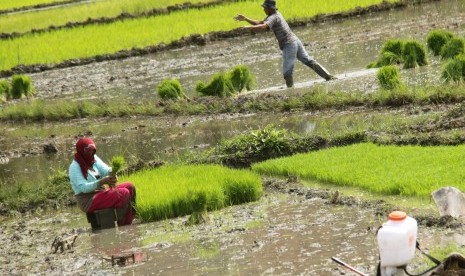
{"x":437,"y":39}
{"x":454,"y":69}
{"x":220,"y":86}
{"x":389,"y":77}
{"x":413,"y":54}
{"x":21,"y":85}
{"x":117,"y":164}
{"x":390,"y":54}
{"x":171,"y":90}
{"x":454,"y":47}
{"x":4,"y":90}
{"x":241,"y":78}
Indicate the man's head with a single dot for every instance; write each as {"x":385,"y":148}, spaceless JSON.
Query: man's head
{"x":269,"y":6}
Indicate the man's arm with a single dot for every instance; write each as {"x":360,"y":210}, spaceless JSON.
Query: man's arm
{"x":255,"y":24}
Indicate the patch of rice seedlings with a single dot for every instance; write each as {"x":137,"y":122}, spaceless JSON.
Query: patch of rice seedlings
{"x":413,"y":54}
{"x":21,"y":85}
{"x":386,"y":170}
{"x":171,"y":90}
{"x":220,"y":86}
{"x":454,"y":47}
{"x":454,"y":69}
{"x":390,"y":54}
{"x":178,"y":190}
{"x":60,"y":45}
{"x":437,"y":39}
{"x":7,"y":5}
{"x":389,"y":77}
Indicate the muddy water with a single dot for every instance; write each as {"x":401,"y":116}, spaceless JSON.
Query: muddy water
{"x":282,"y":234}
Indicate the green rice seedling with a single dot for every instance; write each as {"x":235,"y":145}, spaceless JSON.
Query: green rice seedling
{"x":387,"y":170}
{"x":437,"y":39}
{"x":171,"y":90}
{"x":220,"y":86}
{"x":413,"y":54}
{"x":389,"y":77}
{"x":241,"y":78}
{"x":178,"y":190}
{"x":118,"y":163}
{"x":454,"y":69}
{"x":454,"y":47}
{"x":21,"y":85}
{"x":4,"y":89}
{"x":393,"y":46}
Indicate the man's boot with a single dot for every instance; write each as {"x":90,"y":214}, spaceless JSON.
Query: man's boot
{"x":289,"y":81}
{"x":321,"y":71}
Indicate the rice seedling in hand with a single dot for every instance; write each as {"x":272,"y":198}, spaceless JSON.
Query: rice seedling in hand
{"x":454,"y":47}
{"x":118,"y":163}
{"x":171,"y":90}
{"x":437,"y":39}
{"x":413,"y":54}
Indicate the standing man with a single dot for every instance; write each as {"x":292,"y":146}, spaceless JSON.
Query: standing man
{"x":289,"y":43}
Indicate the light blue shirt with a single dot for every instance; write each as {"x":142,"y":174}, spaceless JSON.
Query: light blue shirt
{"x":82,"y":185}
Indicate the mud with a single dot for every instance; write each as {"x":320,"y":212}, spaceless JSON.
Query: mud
{"x":291,"y":230}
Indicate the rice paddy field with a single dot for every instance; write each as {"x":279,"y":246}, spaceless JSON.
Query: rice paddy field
{"x":411,"y":171}
{"x":98,"y":39}
{"x":273,"y":181}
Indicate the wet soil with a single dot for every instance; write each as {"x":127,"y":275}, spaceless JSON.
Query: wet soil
{"x":291,"y":230}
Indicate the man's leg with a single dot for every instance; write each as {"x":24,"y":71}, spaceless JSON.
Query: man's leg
{"x":303,"y":57}
{"x":289,"y":57}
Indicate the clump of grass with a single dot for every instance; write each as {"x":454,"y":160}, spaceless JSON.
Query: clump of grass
{"x":386,"y":170}
{"x":454,"y":69}
{"x":241,"y":78}
{"x":413,"y":54}
{"x":389,"y":77}
{"x":21,"y":85}
{"x":228,"y":84}
{"x":118,"y":163}
{"x":171,"y":90}
{"x":437,"y":39}
{"x":454,"y":47}
{"x":175,"y":190}
{"x":4,"y":90}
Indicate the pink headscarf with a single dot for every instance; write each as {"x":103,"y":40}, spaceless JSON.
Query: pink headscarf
{"x":85,"y":161}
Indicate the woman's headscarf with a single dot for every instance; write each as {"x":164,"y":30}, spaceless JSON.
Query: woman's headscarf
{"x":85,"y":161}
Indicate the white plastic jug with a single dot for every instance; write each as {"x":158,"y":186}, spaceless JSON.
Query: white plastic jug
{"x":397,"y":240}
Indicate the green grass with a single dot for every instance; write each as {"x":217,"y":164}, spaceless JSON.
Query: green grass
{"x":12,"y":4}
{"x":388,"y":170}
{"x":92,"y":40}
{"x":172,"y":191}
{"x":42,"y":19}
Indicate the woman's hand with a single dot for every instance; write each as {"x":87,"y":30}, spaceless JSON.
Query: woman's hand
{"x":110,"y":180}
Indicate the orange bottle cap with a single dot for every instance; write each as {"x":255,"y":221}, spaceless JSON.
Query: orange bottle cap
{"x":397,"y":215}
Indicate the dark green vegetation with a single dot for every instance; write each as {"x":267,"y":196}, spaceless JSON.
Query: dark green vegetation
{"x":454,"y":47}
{"x":410,"y":53}
{"x":454,"y":69}
{"x":437,"y":39}
{"x":171,"y":90}
{"x":21,"y":85}
{"x":228,"y":84}
{"x":389,"y":77}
